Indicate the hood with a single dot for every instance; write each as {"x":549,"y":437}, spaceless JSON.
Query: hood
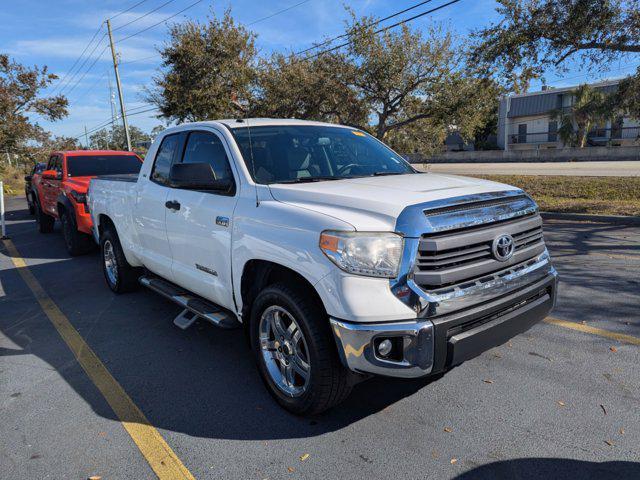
{"x":374,"y":203}
{"x":79,"y":184}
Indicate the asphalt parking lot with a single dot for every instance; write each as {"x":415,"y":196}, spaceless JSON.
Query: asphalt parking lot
{"x":555,"y":402}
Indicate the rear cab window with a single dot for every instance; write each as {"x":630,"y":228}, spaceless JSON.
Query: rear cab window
{"x":164,"y":159}
{"x":94,"y":165}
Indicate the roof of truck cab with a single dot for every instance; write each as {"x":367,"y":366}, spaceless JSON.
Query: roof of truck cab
{"x":73,"y":153}
{"x":266,"y":122}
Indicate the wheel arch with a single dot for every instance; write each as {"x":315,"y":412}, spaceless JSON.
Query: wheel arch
{"x":64,"y":204}
{"x":258,"y":274}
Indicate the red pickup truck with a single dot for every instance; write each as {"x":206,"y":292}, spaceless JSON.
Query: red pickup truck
{"x":61,"y":192}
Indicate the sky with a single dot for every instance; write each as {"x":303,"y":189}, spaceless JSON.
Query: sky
{"x":55,"y":33}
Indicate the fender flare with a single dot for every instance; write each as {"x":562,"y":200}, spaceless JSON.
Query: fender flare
{"x":62,"y":199}
{"x":33,"y":191}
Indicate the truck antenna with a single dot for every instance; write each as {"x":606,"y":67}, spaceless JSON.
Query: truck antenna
{"x":244,"y":111}
{"x":253,"y":162}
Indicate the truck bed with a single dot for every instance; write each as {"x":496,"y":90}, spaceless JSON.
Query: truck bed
{"x":131,"y":177}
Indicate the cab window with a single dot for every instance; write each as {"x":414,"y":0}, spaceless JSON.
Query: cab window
{"x":206,"y":147}
{"x":164,"y":159}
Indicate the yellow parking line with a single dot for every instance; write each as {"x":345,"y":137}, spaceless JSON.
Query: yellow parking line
{"x":621,"y":337}
{"x":153,"y":447}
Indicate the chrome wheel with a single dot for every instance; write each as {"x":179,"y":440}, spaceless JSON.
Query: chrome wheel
{"x":110,"y":264}
{"x":284,"y":351}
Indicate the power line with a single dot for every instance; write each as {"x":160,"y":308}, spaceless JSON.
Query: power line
{"x":81,"y":55}
{"x":128,"y":9}
{"x":83,"y":64}
{"x":88,"y":70}
{"x":306,"y":58}
{"x":162,"y":21}
{"x":337,"y":47}
{"x":91,"y":87}
{"x":372,"y":24}
{"x":249,"y":24}
{"x":277,"y":13}
{"x":139,"y":59}
{"x":110,"y":122}
{"x":142,"y":16}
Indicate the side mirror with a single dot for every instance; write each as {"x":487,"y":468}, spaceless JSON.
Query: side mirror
{"x":198,"y":176}
{"x":27,"y":178}
{"x":51,"y":175}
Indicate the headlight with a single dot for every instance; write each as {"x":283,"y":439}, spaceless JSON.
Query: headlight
{"x":364,"y":253}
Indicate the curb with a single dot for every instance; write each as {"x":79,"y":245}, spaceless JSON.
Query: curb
{"x":582,"y":217}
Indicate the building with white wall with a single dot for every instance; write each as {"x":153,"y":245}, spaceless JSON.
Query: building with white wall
{"x":526,"y":121}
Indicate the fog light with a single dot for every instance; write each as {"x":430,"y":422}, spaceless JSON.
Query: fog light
{"x":384,"y":348}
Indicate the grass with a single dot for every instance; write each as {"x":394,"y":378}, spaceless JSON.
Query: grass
{"x":567,"y":194}
{"x":13,"y":178}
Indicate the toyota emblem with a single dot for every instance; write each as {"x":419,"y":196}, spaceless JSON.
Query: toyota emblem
{"x":503,"y":247}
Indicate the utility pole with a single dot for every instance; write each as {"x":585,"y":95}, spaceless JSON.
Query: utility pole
{"x":117,"y":74}
{"x":86,"y":137}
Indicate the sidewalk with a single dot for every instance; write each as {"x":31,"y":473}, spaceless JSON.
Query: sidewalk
{"x":590,"y":169}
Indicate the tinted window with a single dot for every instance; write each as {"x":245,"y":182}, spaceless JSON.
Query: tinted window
{"x":164,"y":158}
{"x":52,"y":162}
{"x":90,"y":165}
{"x":204,"y":147}
{"x":308,"y":153}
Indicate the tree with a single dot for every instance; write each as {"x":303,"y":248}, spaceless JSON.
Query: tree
{"x":20,"y":95}
{"x":405,"y":87}
{"x":115,"y":139}
{"x":318,"y":89}
{"x":534,"y":35}
{"x":208,"y":70}
{"x":590,"y":108}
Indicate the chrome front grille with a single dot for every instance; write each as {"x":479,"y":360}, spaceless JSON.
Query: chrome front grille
{"x":448,"y":258}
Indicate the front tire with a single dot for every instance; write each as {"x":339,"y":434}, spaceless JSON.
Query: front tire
{"x":295,"y":351}
{"x":121,"y":277}
{"x":76,"y":242}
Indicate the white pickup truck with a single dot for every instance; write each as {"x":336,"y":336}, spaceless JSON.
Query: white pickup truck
{"x":338,"y":259}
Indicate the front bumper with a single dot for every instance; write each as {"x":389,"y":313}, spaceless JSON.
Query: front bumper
{"x":430,"y":346}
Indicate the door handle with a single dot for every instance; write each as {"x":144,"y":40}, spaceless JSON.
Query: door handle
{"x":172,"y":205}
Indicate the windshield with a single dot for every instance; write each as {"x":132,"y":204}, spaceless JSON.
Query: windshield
{"x":93,"y":165}
{"x":292,"y":154}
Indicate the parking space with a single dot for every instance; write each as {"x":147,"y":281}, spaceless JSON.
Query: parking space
{"x":552,"y":403}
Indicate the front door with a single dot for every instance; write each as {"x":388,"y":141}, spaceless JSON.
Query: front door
{"x":51,"y":187}
{"x":199,"y":226}
{"x":151,"y":210}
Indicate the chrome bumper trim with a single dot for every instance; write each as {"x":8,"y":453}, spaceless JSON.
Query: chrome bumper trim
{"x":355,"y":343}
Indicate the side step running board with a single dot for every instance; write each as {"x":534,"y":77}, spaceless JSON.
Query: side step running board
{"x":194,"y":306}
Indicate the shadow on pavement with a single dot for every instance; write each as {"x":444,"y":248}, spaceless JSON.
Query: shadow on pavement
{"x":553,"y":469}
{"x":201,"y":382}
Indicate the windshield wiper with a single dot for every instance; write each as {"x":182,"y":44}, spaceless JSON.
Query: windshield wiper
{"x":310,"y":179}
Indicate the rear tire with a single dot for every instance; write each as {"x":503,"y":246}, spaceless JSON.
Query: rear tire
{"x":76,"y":242}
{"x":327,"y":382}
{"x":45,"y":222}
{"x":121,"y":277}
{"x":31,"y":203}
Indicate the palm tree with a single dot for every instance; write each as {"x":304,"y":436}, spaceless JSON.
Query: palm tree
{"x":590,"y":107}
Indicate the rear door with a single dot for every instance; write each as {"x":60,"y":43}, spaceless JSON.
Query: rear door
{"x":200,"y":230}
{"x":151,"y":211}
